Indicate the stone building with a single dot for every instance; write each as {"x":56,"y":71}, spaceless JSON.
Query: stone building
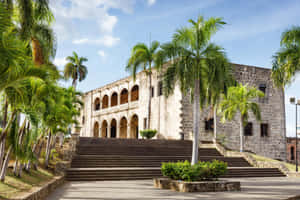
{"x":291,"y":149}
{"x":119,"y":110}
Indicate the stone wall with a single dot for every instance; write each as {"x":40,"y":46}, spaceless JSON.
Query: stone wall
{"x":291,"y":150}
{"x":272,"y":112}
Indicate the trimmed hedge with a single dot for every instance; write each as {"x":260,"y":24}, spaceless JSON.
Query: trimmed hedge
{"x":148,"y":133}
{"x":198,"y":172}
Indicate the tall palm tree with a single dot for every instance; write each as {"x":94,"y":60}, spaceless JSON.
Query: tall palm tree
{"x":189,"y":67}
{"x":142,"y":58}
{"x":239,"y":99}
{"x":220,"y":78}
{"x":75,"y":69}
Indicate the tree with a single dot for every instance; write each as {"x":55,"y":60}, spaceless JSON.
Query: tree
{"x":220,"y":78}
{"x":75,"y":69}
{"x":142,"y":58}
{"x":286,"y":62}
{"x":240,"y":99}
{"x":195,"y":51}
{"x":34,"y":19}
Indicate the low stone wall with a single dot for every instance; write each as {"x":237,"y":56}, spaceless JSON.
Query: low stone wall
{"x":42,"y":192}
{"x":200,"y":186}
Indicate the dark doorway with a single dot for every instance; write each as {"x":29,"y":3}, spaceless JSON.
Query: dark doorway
{"x":113,"y":129}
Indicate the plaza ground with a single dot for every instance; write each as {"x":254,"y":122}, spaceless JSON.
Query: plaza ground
{"x":252,"y":188}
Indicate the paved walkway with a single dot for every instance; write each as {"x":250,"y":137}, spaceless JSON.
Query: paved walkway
{"x":252,"y":188}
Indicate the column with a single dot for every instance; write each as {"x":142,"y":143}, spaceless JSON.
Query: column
{"x":128,"y":130}
{"x":118,"y":127}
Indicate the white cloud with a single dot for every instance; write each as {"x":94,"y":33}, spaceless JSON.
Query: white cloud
{"x":108,"y":24}
{"x":151,"y":2}
{"x":102,"y":54}
{"x":60,"y":61}
{"x":106,"y":40}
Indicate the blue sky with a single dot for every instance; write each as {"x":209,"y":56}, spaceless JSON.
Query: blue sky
{"x":104,"y":31}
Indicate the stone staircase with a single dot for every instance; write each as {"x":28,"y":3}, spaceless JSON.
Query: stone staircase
{"x":132,"y":159}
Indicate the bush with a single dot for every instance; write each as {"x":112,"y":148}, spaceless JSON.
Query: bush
{"x":198,"y":172}
{"x":148,"y":133}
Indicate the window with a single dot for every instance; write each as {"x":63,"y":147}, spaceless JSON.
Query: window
{"x":97,"y":104}
{"x":160,"y":88}
{"x":83,"y":119}
{"x":263,"y":88}
{"x":292,"y":153}
{"x":248,"y":129}
{"x":145,"y":123}
{"x":264,"y":128}
{"x":209,"y":124}
{"x":152,"y":92}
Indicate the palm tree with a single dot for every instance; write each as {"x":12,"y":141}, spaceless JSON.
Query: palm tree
{"x":142,"y":58}
{"x":220,"y":78}
{"x":75,"y":69}
{"x":189,"y":68}
{"x":240,"y":99}
{"x":34,"y":19}
{"x":286,"y":62}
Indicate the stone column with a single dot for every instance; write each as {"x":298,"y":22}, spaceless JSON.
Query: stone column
{"x":118,"y":129}
{"x":108,"y":130}
{"x":128,"y":130}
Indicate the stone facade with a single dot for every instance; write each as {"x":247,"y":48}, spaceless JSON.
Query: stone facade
{"x":291,"y":150}
{"x":173,"y":116}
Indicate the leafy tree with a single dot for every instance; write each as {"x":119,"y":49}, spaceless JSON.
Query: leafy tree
{"x":240,"y":99}
{"x":142,"y":58}
{"x":75,"y":69}
{"x":193,"y":57}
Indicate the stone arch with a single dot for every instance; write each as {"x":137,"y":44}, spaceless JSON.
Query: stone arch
{"x":96,"y":129}
{"x":124,"y":96}
{"x":134,"y":127}
{"x":114,"y":99}
{"x":134,"y":93}
{"x":113,"y":128}
{"x":123,"y":127}
{"x":105,"y":101}
{"x":104,"y":129}
{"x":97,"y":104}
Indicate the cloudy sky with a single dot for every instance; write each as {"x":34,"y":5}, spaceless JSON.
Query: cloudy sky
{"x":104,"y":31}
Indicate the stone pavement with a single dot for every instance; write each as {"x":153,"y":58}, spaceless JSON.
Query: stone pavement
{"x":252,"y":188}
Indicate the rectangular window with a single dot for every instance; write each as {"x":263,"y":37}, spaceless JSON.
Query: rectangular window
{"x":248,"y":129}
{"x":145,"y":123}
{"x":263,"y":88}
{"x":83,"y":119}
{"x":209,"y":124}
{"x":264,"y":128}
{"x":160,"y":88}
{"x":152,"y":91}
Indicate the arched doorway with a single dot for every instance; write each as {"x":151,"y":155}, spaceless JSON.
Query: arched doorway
{"x":96,"y":129}
{"x":97,"y":104}
{"x":113,"y":128}
{"x":104,"y":129}
{"x":123,"y":128}
{"x":134,"y":93}
{"x":124,"y":96}
{"x":105,"y":101}
{"x":114,"y":99}
{"x":134,"y":127}
{"x":292,"y":153}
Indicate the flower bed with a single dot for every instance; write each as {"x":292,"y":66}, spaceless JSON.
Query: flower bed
{"x":201,"y":177}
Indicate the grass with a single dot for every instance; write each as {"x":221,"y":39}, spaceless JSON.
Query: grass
{"x":290,"y":166}
{"x":14,"y":186}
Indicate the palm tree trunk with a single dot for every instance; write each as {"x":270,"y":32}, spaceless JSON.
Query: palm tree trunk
{"x":74,"y":83}
{"x":48,"y":149}
{"x":28,"y":165}
{"x":149,"y":100}
{"x":196,"y":119}
{"x":37,"y":54}
{"x":38,"y":154}
{"x":241,"y":134}
{"x":5,"y":130}
{"x":215,"y":123}
{"x":21,"y":134}
{"x":5,"y":164}
{"x":2,"y":143}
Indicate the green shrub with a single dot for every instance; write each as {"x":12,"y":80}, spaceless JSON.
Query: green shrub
{"x":200,"y":171}
{"x":148,"y":133}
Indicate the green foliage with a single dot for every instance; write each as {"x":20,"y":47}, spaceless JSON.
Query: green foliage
{"x":240,"y":99}
{"x":198,"y":172}
{"x":148,"y":133}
